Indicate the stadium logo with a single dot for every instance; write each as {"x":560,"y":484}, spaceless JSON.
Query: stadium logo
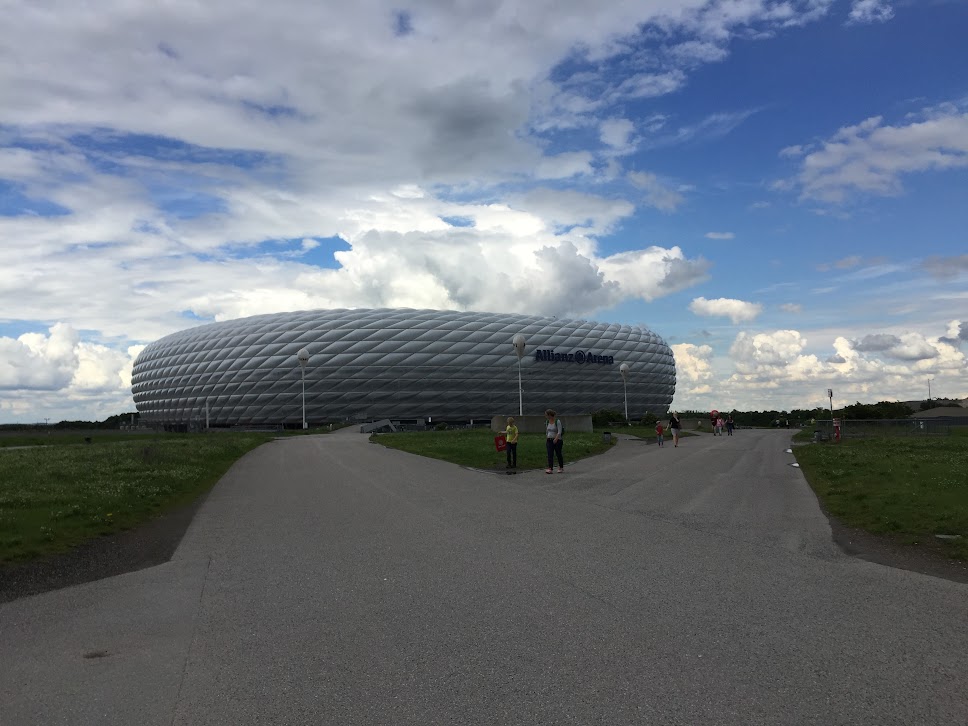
{"x":549,"y":356}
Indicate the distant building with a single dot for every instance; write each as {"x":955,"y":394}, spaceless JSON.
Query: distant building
{"x":398,"y":364}
{"x":942,"y":412}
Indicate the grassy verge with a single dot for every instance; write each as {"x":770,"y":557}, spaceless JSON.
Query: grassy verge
{"x":55,"y":497}
{"x":475,"y":447}
{"x":908,"y":489}
{"x":62,"y":438}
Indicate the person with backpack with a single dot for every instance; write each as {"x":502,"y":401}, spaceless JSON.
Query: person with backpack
{"x":553,"y":441}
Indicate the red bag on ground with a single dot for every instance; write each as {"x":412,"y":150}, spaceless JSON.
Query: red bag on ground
{"x":500,"y":442}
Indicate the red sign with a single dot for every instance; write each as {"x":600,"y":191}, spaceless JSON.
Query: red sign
{"x":500,"y":442}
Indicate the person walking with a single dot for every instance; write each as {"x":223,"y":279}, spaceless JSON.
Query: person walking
{"x":511,"y":434}
{"x":553,"y":442}
{"x":674,"y":426}
{"x":719,"y":425}
{"x":730,"y":425}
{"x":658,"y":432}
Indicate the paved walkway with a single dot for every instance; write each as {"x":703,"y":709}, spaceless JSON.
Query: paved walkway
{"x":327,"y":580}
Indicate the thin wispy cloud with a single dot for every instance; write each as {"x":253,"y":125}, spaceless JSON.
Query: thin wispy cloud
{"x":870,"y":11}
{"x":871,"y":157}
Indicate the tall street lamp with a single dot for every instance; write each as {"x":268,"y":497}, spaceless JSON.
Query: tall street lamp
{"x":624,"y":370}
{"x":519,"y":344}
{"x":303,"y":356}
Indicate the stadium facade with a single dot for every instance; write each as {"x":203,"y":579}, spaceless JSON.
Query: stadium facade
{"x":400,"y":364}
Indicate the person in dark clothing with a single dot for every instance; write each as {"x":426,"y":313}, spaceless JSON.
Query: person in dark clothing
{"x":674,"y":426}
{"x":730,"y":424}
{"x":553,"y":442}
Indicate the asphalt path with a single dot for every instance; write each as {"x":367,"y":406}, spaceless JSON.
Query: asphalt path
{"x":327,"y":580}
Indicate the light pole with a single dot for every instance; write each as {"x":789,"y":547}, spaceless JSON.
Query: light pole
{"x":519,"y":344}
{"x":303,"y":356}
{"x":624,"y":370}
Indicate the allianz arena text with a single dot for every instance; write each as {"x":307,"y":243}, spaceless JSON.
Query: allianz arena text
{"x":398,"y":364}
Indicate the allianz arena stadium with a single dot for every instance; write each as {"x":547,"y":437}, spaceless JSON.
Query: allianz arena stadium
{"x":407,"y":365}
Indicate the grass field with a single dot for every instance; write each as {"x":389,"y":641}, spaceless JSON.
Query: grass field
{"x":475,"y":447}
{"x":907,"y":488}
{"x":55,"y":496}
{"x":76,"y":436}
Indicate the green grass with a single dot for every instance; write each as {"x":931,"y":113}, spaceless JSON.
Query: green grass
{"x":907,"y":488}
{"x":60,"y":438}
{"x":475,"y":447}
{"x":56,"y":496}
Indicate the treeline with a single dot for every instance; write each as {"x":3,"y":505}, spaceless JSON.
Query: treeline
{"x":798,"y":416}
{"x":111,"y":422}
{"x":795,"y":417}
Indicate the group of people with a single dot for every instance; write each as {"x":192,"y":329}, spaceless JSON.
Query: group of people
{"x":554,"y":430}
{"x":718,"y":425}
{"x":554,"y":444}
{"x":674,"y":426}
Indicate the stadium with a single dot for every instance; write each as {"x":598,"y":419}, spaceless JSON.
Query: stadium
{"x":406,"y":365}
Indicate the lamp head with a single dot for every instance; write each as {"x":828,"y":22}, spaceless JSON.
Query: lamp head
{"x":519,"y":343}
{"x":303,"y":356}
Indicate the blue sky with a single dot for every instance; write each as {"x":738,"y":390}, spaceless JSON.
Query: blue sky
{"x":777,"y":187}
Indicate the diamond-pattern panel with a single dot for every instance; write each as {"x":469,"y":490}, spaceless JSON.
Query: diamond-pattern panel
{"x":395,"y":363}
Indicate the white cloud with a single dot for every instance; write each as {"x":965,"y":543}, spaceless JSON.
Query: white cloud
{"x":870,"y":11}
{"x":657,"y":194}
{"x":767,"y":350}
{"x":60,"y":377}
{"x":617,"y":132}
{"x":565,"y":165}
{"x":719,"y":235}
{"x":739,"y":311}
{"x":906,"y":347}
{"x":568,"y":207}
{"x":871,"y":157}
{"x":792,"y":151}
{"x":777,"y":369}
{"x":795,"y":308}
{"x":654,"y":271}
{"x":649,"y":85}
{"x":35,"y":361}
{"x":692,"y":364}
{"x":713,"y":126}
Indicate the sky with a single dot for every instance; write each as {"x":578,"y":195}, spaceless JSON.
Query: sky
{"x":778,"y":188}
